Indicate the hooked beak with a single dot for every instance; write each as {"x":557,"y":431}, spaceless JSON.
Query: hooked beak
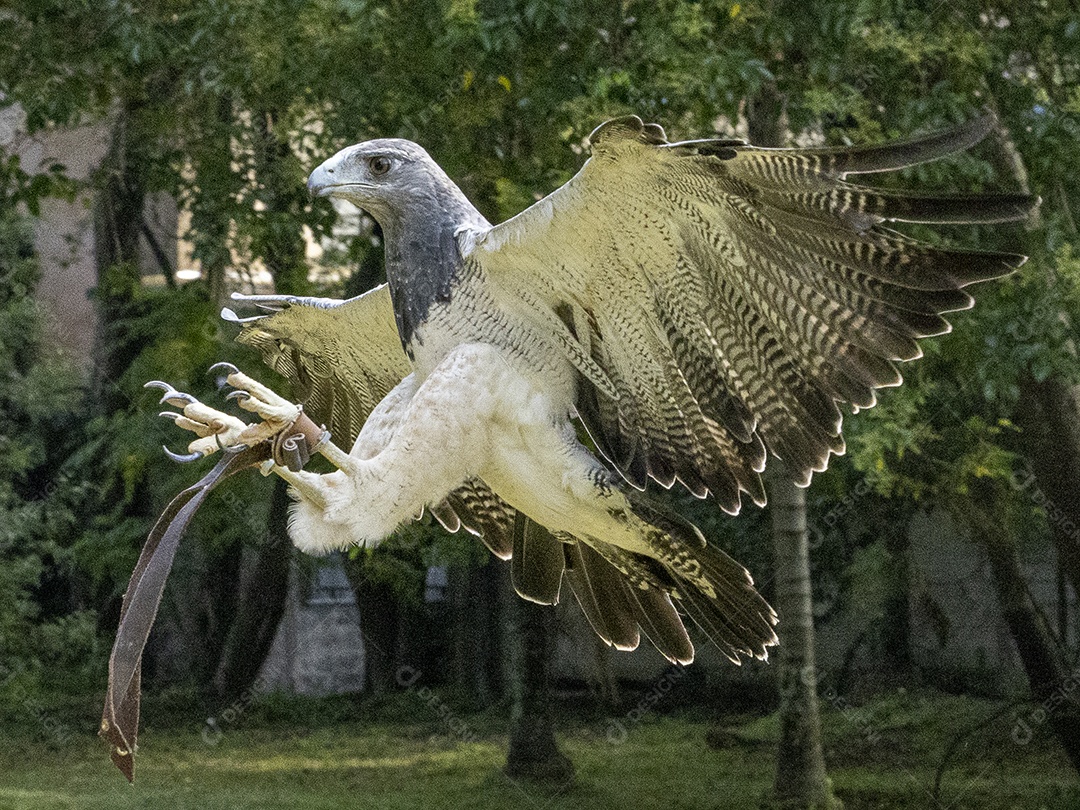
{"x":321,"y":181}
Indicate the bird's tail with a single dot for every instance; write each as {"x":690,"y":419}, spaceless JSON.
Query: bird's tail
{"x":712,"y":588}
{"x":624,"y":594}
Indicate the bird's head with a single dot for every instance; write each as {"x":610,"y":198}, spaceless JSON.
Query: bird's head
{"x":386,"y":177}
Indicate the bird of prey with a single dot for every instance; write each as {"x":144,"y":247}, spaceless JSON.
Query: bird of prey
{"x":676,"y":312}
{"x":694,"y":306}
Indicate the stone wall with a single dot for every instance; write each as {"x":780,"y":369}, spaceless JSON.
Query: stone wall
{"x":318,"y":649}
{"x":64,"y":232}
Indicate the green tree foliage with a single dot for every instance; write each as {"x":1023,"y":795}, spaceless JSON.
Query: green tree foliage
{"x":39,"y":402}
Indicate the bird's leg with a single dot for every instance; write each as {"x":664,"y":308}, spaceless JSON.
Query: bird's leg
{"x":309,"y":486}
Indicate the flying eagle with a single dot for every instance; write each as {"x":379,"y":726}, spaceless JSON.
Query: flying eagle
{"x":676,"y":312}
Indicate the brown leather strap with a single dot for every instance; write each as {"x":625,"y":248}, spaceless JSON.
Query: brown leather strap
{"x":120,"y":719}
{"x":293,"y":447}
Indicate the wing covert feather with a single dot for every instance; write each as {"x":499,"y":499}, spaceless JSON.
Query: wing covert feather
{"x":341,"y":357}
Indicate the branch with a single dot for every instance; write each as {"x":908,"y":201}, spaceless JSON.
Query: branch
{"x":159,"y":254}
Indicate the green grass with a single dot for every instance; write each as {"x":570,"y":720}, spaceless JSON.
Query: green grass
{"x":289,"y":755}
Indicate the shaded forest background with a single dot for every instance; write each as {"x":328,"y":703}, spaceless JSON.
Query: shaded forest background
{"x":227,"y":104}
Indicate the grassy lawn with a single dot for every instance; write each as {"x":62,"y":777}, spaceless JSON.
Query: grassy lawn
{"x":304,"y":757}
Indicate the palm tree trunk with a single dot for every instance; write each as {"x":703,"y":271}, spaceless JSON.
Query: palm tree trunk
{"x":801,"y":780}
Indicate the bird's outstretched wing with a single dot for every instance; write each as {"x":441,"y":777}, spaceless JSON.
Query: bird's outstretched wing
{"x":720,"y":300}
{"x":342,"y":358}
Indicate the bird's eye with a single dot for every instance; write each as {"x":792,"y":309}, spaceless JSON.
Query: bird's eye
{"x":379,"y":165}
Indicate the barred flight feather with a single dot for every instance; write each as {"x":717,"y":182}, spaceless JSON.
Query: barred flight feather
{"x":757,"y":291}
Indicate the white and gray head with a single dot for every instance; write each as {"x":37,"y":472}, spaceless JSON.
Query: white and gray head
{"x":390,"y":178}
{"x":420,"y":210}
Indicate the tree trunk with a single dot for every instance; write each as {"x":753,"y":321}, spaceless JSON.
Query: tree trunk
{"x":210,"y":219}
{"x":533,"y":752}
{"x":205,"y":619}
{"x":380,"y":617}
{"x":1048,"y":414}
{"x":1052,"y":682}
{"x":260,"y":606}
{"x":284,"y":194}
{"x":765,"y":117}
{"x":118,"y":214}
{"x":896,"y":629}
{"x":801,"y":780}
{"x":247,"y":629}
{"x":474,"y":601}
{"x":1049,"y":418}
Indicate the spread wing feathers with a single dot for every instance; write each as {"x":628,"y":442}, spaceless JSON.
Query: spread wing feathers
{"x":723,"y":299}
{"x":342,"y":358}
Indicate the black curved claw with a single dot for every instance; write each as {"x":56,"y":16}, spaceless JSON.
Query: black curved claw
{"x":164,"y":386}
{"x":229,"y":368}
{"x":229,"y":451}
{"x":181,"y":459}
{"x":178,"y":399}
{"x":238,"y":394}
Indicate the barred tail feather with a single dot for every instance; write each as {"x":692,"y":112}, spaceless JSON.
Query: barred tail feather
{"x":723,"y":602}
{"x":711,"y":587}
